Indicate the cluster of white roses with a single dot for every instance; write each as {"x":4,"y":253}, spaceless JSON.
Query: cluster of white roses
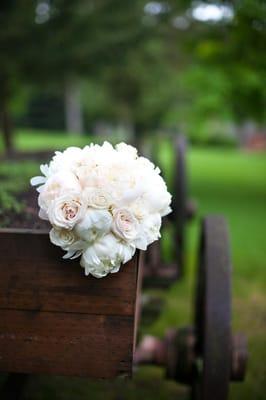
{"x":103,"y":202}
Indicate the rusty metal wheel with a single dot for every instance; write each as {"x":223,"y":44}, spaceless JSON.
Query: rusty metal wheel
{"x":213,"y":313}
{"x":180,"y":200}
{"x":205,"y":356}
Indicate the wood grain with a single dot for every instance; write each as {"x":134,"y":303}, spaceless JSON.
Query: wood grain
{"x":54,"y":320}
{"x":33,"y":276}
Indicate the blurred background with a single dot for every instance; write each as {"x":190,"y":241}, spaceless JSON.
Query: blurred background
{"x":73,"y":72}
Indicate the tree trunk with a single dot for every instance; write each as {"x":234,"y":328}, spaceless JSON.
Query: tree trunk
{"x":139,"y":137}
{"x":7,"y":129}
{"x":73,"y":111}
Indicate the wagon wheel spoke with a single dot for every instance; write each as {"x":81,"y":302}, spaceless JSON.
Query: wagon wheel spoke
{"x":213,"y":312}
{"x":180,"y":199}
{"x":157,"y":273}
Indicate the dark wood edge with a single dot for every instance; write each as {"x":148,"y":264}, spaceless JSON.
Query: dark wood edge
{"x":20,"y":231}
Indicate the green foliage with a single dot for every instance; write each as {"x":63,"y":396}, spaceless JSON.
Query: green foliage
{"x":63,"y":33}
{"x":238,"y":48}
{"x":14,"y":177}
{"x":203,"y":111}
{"x":201,"y":81}
{"x":138,"y":68}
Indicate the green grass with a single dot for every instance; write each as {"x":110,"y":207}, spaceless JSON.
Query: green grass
{"x":228,"y":182}
{"x":14,"y":178}
{"x":30,"y":139}
{"x":33,"y":139}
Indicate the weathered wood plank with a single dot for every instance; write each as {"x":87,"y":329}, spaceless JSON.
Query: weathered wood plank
{"x":96,"y":346}
{"x":54,"y":320}
{"x":33,"y":276}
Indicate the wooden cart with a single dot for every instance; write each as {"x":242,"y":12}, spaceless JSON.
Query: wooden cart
{"x":54,"y":320}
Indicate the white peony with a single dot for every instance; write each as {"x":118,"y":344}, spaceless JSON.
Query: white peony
{"x":127,"y":150}
{"x":150,"y":231}
{"x":94,"y":224}
{"x":66,"y":210}
{"x":156,"y":197}
{"x":105,"y":256}
{"x":67,"y":160}
{"x":92,"y":175}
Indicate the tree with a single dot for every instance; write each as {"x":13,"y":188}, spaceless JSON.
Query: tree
{"x":52,"y":42}
{"x":235,"y":47}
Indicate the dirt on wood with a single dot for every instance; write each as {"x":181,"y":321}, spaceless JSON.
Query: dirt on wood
{"x":28,"y":218}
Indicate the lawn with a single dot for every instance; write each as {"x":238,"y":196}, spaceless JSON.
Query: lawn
{"x":31,"y":139}
{"x":228,"y":182}
{"x":233,"y":183}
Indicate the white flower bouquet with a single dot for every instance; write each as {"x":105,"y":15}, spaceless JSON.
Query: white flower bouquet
{"x":103,"y":203}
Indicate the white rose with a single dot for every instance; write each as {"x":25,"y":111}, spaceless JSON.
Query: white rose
{"x":55,"y":186}
{"x":68,"y":241}
{"x":94,"y":224}
{"x":66,"y":210}
{"x":105,"y":256}
{"x":62,"y":237}
{"x":125,"y":224}
{"x":97,"y":198}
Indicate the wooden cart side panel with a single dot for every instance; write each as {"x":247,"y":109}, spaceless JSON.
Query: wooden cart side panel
{"x":54,"y":320}
{"x":95,"y":346}
{"x":33,"y":276}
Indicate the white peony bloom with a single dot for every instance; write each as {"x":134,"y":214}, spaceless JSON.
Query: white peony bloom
{"x":94,"y":224}
{"x":67,"y":160}
{"x":152,"y":226}
{"x":127,"y":150}
{"x":66,"y":210}
{"x":156,"y":197}
{"x":105,"y":256}
{"x":125,"y":224}
{"x":149,"y":231}
{"x":92,"y":174}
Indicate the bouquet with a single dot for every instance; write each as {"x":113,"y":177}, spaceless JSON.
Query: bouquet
{"x":103,"y":203}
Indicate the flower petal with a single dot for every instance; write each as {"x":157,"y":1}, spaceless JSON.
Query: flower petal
{"x":37,"y":180}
